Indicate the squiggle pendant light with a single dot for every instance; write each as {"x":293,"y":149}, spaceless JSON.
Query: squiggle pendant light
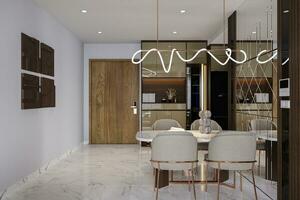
{"x":167,"y":69}
{"x":228,"y":51}
{"x":269,"y":59}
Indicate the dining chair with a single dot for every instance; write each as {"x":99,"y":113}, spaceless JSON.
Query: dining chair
{"x":165,"y":124}
{"x":261,"y":125}
{"x":233,"y":152}
{"x":175,"y":151}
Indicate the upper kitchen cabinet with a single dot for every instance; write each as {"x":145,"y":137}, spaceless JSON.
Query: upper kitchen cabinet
{"x":192,"y":48}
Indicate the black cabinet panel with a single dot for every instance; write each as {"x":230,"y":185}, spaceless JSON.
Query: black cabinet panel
{"x":30,"y":92}
{"x":30,"y":53}
{"x":47,"y":60}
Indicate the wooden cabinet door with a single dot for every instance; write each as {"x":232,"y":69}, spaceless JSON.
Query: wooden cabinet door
{"x":114,"y":87}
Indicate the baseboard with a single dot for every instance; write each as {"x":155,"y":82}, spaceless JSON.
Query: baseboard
{"x":38,"y":172}
{"x":86,"y":142}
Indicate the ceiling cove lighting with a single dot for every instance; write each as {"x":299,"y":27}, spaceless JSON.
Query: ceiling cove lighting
{"x":167,"y":69}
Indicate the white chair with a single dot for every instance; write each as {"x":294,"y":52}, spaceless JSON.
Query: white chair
{"x":261,"y":125}
{"x":213,"y":124}
{"x":174,"y":151}
{"x":234,"y":152}
{"x":165,"y":124}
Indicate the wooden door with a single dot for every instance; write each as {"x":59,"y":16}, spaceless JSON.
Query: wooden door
{"x":114,"y":87}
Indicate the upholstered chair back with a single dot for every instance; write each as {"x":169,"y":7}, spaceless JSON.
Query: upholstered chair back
{"x":173,"y":147}
{"x":262,"y":124}
{"x":232,"y":147}
{"x":165,"y":124}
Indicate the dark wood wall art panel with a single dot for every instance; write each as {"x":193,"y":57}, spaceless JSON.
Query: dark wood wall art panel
{"x":47,"y":60}
{"x":47,"y":93}
{"x":30,"y":92}
{"x":30,"y":53}
{"x":37,"y":91}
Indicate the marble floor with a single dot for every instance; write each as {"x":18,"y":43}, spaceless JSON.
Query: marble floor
{"x":117,"y":172}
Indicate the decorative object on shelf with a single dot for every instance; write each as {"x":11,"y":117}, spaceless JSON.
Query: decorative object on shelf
{"x":171,"y":94}
{"x":205,"y":123}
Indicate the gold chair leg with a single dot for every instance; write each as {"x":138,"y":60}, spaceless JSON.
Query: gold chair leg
{"x":234,"y":179}
{"x":157,"y":182}
{"x":155,"y":176}
{"x":189,"y":180}
{"x":193,"y":181}
{"x":206,"y":178}
{"x":218,"y":197}
{"x":259,"y":152}
{"x":254,"y":184}
{"x":241,"y":181}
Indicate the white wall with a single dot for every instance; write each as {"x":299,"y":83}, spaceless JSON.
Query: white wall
{"x":102,"y":51}
{"x":31,"y":138}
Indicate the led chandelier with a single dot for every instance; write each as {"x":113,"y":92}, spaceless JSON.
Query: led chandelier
{"x":228,"y":51}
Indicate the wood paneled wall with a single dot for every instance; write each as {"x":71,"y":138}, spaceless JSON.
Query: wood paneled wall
{"x":294,"y":71}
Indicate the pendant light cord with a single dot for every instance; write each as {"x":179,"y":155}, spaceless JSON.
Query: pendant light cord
{"x":157,"y":23}
{"x":224,"y":20}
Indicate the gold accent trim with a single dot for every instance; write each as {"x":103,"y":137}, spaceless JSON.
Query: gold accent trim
{"x":230,"y":162}
{"x":174,"y":162}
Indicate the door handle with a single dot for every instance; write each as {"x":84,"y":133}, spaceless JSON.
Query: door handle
{"x":133,"y":105}
{"x":134,"y":108}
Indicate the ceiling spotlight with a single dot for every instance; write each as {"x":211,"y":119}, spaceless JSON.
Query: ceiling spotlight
{"x":254,"y":32}
{"x":286,"y":11}
{"x":174,"y":32}
{"x":84,"y":11}
{"x":182,"y":11}
{"x":99,"y":32}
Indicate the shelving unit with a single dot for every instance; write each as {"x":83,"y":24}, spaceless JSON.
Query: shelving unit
{"x":177,"y":79}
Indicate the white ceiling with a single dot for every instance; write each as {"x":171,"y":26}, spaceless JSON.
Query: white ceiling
{"x":124,"y":21}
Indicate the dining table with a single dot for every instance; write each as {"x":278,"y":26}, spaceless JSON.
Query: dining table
{"x":202,"y":138}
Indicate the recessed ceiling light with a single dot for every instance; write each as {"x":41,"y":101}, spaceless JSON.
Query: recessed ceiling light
{"x":254,"y":32}
{"x":99,"y":32}
{"x":84,"y":11}
{"x":286,"y":11}
{"x":182,"y":11}
{"x":174,"y":32}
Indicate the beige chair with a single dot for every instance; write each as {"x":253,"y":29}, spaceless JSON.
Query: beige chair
{"x":234,"y":152}
{"x":261,"y":125}
{"x":174,"y":151}
{"x":214,"y":125}
{"x":165,"y":124}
